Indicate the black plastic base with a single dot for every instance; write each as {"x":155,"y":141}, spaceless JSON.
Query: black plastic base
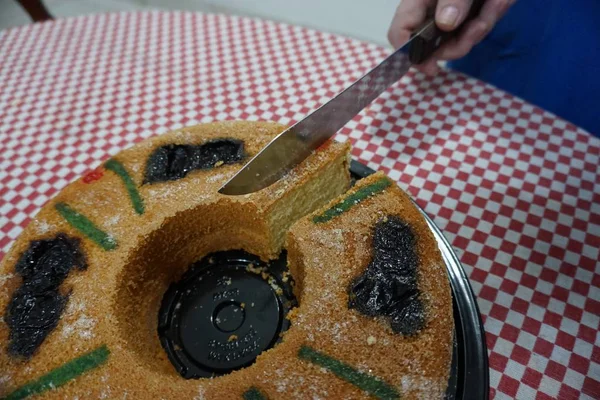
{"x":226,"y":310}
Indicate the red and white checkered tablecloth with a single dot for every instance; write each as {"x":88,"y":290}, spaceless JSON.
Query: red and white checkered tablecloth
{"x":515,"y":189}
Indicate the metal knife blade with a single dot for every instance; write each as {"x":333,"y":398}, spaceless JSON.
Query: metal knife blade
{"x":296,"y":143}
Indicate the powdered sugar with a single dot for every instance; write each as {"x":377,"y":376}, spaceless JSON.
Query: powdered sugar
{"x":43,"y":227}
{"x":296,"y":385}
{"x":215,"y":178}
{"x":5,"y":277}
{"x":201,"y":393}
{"x":331,"y":239}
{"x":135,"y":168}
{"x":83,"y":326}
{"x":161,"y":194}
{"x":5,"y":378}
{"x":184,"y":136}
{"x":93,"y":202}
{"x":339,"y":332}
{"x":170,"y":191}
{"x":364,"y":368}
{"x":106,"y":392}
{"x":113,"y":220}
{"x":424,"y":388}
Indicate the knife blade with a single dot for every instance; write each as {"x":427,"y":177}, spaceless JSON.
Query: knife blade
{"x":296,"y":143}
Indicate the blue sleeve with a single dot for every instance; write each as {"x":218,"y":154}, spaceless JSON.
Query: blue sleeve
{"x":548,"y":53}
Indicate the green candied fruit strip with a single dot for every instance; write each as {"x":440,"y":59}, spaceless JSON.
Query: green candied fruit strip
{"x":63,"y":374}
{"x":353,"y":199}
{"x":370,"y":384}
{"x":253,"y":394}
{"x":118,"y":168}
{"x":85,"y":226}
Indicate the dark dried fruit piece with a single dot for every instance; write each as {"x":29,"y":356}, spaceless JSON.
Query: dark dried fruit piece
{"x":36,"y":306}
{"x":409,"y":317}
{"x":46,"y":263}
{"x":174,"y":161}
{"x":388,"y":287}
{"x":31,"y":316}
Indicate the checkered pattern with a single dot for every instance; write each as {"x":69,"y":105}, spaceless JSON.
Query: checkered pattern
{"x":515,"y":189}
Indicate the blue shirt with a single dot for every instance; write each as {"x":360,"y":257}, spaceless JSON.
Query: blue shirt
{"x":548,"y":53}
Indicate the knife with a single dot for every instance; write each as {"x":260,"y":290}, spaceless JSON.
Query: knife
{"x":296,"y":143}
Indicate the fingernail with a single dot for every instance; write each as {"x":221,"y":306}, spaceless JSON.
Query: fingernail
{"x":448,"y":16}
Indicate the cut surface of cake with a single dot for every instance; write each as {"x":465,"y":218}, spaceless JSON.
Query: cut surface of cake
{"x":141,"y":280}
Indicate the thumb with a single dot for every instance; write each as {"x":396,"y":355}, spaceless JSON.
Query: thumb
{"x":451,"y":13}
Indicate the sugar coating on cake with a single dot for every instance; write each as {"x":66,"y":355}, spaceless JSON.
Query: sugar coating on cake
{"x":127,"y":230}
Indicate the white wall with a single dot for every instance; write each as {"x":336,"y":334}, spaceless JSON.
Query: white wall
{"x":366,"y":20}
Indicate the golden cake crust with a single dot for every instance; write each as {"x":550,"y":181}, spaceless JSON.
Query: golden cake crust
{"x":113,"y":304}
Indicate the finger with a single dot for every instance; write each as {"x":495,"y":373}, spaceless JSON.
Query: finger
{"x":409,"y":15}
{"x":450,"y":14}
{"x":429,"y":67}
{"x":475,"y":30}
{"x":458,"y":47}
{"x":493,"y":10}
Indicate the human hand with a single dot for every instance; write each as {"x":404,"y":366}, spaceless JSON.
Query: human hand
{"x":449,"y":14}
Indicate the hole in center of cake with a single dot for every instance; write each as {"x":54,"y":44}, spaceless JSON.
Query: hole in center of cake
{"x":225,"y":310}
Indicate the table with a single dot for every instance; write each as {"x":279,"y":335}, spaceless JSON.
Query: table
{"x":515,"y":189}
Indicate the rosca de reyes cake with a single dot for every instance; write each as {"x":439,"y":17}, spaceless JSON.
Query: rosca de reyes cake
{"x":141,"y":281}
